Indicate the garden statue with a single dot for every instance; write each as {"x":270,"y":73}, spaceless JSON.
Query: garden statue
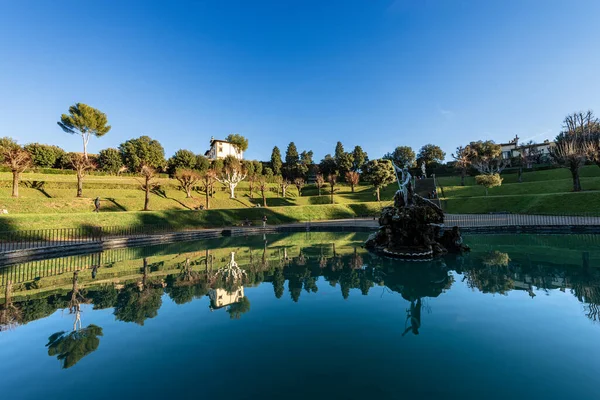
{"x":423,"y":170}
{"x":412,"y":227}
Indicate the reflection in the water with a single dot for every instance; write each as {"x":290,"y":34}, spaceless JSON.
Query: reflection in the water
{"x":133,"y":281}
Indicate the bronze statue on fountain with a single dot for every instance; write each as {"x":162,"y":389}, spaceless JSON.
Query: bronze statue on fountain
{"x":411,"y":228}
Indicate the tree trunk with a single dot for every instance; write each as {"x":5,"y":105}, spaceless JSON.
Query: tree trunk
{"x":319,"y":190}
{"x":147,"y":199}
{"x":231,"y":191}
{"x":463,"y":172}
{"x":188,"y":191}
{"x":352,"y":188}
{"x":283,"y":189}
{"x":520,"y":178}
{"x":486,"y":192}
{"x":79,"y":184}
{"x":207,"y":198}
{"x":264,"y":198}
{"x":332,"y":195}
{"x":251,"y":187}
{"x":15,"y":188}
{"x":85,"y":145}
{"x":377,"y":191}
{"x":576,"y":181}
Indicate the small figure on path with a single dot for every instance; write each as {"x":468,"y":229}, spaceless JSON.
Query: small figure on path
{"x":97,"y":204}
{"x":264,"y":219}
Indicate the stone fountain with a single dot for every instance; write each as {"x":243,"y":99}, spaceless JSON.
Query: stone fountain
{"x":412,"y":227}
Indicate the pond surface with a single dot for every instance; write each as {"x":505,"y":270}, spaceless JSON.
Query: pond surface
{"x":306,"y":316}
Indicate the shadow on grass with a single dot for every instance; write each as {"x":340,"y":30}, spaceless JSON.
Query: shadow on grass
{"x":117,"y":205}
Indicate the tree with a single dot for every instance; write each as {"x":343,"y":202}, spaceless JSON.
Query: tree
{"x":284,"y":183}
{"x":43,"y":155}
{"x":148,"y":184}
{"x":402,"y":156}
{"x":528,"y":155}
{"x":140,"y":152}
{"x":182,"y":159}
{"x":263,"y":187}
{"x":380,"y":173}
{"x":238,"y":141}
{"x":328,"y":166}
{"x":462,"y":161}
{"x":344,"y":163}
{"x":299,"y":182}
{"x":291,"y":161}
{"x":488,"y":181}
{"x":486,"y":157}
{"x":81,"y":165}
{"x":249,"y":165}
{"x":84,"y":121}
{"x":208,"y":180}
{"x":359,"y":159}
{"x":109,"y":160}
{"x":332,"y":179}
{"x":276,"y":161}
{"x":339,"y":151}
{"x":258,"y":167}
{"x":202,"y":163}
{"x":430,"y":154}
{"x":352,"y":179}
{"x":15,"y":158}
{"x":319,"y":182}
{"x":233,"y":173}
{"x":187,"y":178}
{"x":570,"y":153}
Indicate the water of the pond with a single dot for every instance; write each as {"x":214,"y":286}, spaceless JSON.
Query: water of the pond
{"x":306,"y":316}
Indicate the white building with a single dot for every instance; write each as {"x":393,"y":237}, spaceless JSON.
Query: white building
{"x":513,"y":149}
{"x":220,"y":149}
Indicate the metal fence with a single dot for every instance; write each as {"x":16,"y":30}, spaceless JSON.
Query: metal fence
{"x":511,"y":220}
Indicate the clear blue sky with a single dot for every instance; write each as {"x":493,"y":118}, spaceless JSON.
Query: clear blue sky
{"x":374,"y":73}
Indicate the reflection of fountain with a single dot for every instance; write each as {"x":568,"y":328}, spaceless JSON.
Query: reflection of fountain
{"x":231,"y":272}
{"x":411,"y":228}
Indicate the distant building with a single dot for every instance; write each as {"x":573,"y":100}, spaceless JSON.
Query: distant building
{"x":221,"y":148}
{"x":513,"y":149}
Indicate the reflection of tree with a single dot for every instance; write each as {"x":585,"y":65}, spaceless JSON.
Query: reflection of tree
{"x":490,"y":279}
{"x":72,"y":347}
{"x":135,"y":305}
{"x":413,"y":314}
{"x":238,"y":308}
{"x":496,"y":259}
{"x":10,"y":315}
{"x":278,"y":282}
{"x":104,"y":297}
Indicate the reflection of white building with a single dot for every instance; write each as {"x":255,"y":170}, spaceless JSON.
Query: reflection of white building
{"x":220,"y":298}
{"x":220,"y":149}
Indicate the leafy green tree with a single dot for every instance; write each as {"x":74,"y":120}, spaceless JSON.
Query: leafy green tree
{"x":232,"y":174}
{"x":430,"y":154}
{"x":359,"y":159}
{"x":276,"y":161}
{"x":319,"y":182}
{"x":218,"y":165}
{"x":291,"y":161}
{"x":109,"y":160}
{"x":328,"y":166}
{"x":268,"y":173}
{"x":182,"y":159}
{"x":462,"y":161}
{"x":238,"y":141}
{"x":486,"y":157}
{"x":344,"y":163}
{"x":140,"y":152}
{"x":84,"y":121}
{"x":202,"y":163}
{"x":339,"y":151}
{"x":402,"y":156}
{"x":44,"y":155}
{"x":488,"y":181}
{"x":15,"y":158}
{"x":380,"y":173}
{"x":70,"y":348}
{"x":258,"y":167}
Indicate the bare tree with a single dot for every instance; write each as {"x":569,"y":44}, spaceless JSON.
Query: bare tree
{"x":187,"y":178}
{"x":15,"y":158}
{"x":352,"y":178}
{"x":581,"y":124}
{"x":263,"y":187}
{"x":233,"y":173}
{"x":462,"y":161}
{"x":332,"y":179}
{"x":208,"y":180}
{"x":81,"y":165}
{"x":319,"y":182}
{"x":148,"y":184}
{"x":284,"y":185}
{"x":569,"y":153}
{"x":251,"y":182}
{"x":529,"y":154}
{"x":299,"y":182}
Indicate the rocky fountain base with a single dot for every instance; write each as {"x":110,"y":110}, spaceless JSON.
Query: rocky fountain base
{"x":413,"y":231}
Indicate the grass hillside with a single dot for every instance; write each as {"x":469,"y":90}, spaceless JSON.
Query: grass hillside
{"x":48,"y":200}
